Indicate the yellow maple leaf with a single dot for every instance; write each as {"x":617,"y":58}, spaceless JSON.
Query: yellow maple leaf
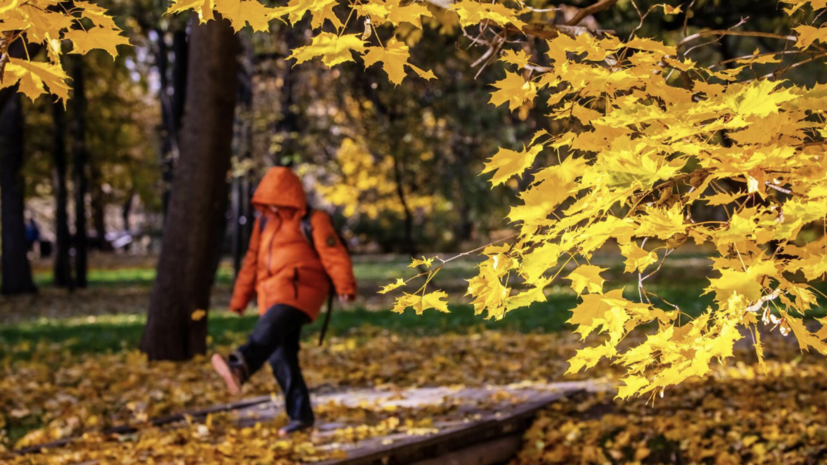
{"x":587,"y":277}
{"x":513,"y":89}
{"x":633,"y":385}
{"x":95,"y":38}
{"x":394,"y":58}
{"x":510,"y":163}
{"x":588,"y":357}
{"x":746,"y":283}
{"x":333,"y":49}
{"x":757,"y":98}
{"x":809,"y":34}
{"x":806,"y":339}
{"x":637,"y":258}
{"x":33,"y":76}
{"x":471,"y":13}
{"x":436,"y":300}
{"x":392,"y":11}
{"x":519,"y":58}
{"x":242,"y":12}
{"x":661,"y":223}
{"x":396,"y":285}
{"x":417,"y":262}
{"x":198,"y":315}
{"x":320,"y":11}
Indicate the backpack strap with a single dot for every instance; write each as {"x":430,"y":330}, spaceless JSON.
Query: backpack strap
{"x":307,"y":230}
{"x":307,"y":227}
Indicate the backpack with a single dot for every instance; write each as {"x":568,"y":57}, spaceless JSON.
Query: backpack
{"x":307,"y":232}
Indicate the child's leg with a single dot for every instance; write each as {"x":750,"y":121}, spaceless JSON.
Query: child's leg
{"x":267,"y":337}
{"x":285,"y":365}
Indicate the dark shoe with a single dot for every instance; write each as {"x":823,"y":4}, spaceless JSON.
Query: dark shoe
{"x":295,"y":426}
{"x":232,"y":375}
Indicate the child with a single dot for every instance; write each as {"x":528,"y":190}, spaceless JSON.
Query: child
{"x":292,"y":281}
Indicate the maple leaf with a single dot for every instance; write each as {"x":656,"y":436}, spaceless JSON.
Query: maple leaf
{"x":757,"y":98}
{"x":588,"y":357}
{"x":198,"y":315}
{"x":637,"y":258}
{"x":320,"y":10}
{"x":394,"y":58}
{"x":633,"y":385}
{"x":417,"y":262}
{"x":587,"y":277}
{"x":390,"y":287}
{"x":242,"y":12}
{"x":746,"y":283}
{"x":392,"y":11}
{"x":95,"y":38}
{"x":806,"y":339}
{"x":333,"y":49}
{"x":33,"y":76}
{"x":519,"y":58}
{"x":513,"y":89}
{"x":510,"y":163}
{"x":472,"y":13}
{"x":661,"y":223}
{"x":809,"y":34}
{"x":436,"y":300}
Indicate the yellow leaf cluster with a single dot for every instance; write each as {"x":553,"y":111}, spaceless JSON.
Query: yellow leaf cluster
{"x":46,"y":23}
{"x":648,"y":133}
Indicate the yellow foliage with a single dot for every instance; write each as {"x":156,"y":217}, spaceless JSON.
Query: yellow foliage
{"x":46,"y":22}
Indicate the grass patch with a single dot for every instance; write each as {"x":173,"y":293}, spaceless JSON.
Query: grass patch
{"x":111,"y":333}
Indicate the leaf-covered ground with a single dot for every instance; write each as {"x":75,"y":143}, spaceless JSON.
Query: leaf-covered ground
{"x":70,"y":366}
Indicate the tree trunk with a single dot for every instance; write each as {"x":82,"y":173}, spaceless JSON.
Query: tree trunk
{"x":63,"y":265}
{"x":17,"y":272}
{"x":409,"y":244}
{"x":184,"y":275}
{"x":98,"y":204}
{"x":80,"y":153}
{"x":241,"y":208}
{"x":172,"y":108}
{"x":287,"y":127}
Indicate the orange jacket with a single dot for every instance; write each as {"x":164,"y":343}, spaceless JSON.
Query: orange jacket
{"x":281,"y":265}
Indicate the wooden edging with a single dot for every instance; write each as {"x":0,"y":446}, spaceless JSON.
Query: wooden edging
{"x":436,"y":448}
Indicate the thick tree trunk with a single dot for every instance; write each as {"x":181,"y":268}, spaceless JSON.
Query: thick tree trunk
{"x":63,"y":238}
{"x":17,"y":272}
{"x":80,"y":153}
{"x":189,"y":244}
{"x":172,"y":108}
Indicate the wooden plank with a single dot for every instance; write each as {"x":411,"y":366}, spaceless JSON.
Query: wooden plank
{"x":416,"y":449}
{"x":487,"y":453}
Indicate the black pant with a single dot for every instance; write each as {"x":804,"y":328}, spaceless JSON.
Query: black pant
{"x":275,"y":339}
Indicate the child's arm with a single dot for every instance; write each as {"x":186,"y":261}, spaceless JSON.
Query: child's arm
{"x":333,"y":254}
{"x":245,"y":282}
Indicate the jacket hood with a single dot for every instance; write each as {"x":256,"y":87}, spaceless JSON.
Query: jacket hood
{"x":282,"y":188}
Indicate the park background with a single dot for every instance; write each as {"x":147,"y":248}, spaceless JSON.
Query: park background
{"x":398,"y":168}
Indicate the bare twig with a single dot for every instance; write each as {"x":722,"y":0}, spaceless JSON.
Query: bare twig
{"x":5,"y":42}
{"x":464,"y":254}
{"x":719,"y":32}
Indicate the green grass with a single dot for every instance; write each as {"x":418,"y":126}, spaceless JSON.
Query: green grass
{"x":123,"y":332}
{"x":125,"y":277}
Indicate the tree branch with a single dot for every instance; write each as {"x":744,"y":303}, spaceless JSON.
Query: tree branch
{"x":769,"y":35}
{"x":583,"y":13}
